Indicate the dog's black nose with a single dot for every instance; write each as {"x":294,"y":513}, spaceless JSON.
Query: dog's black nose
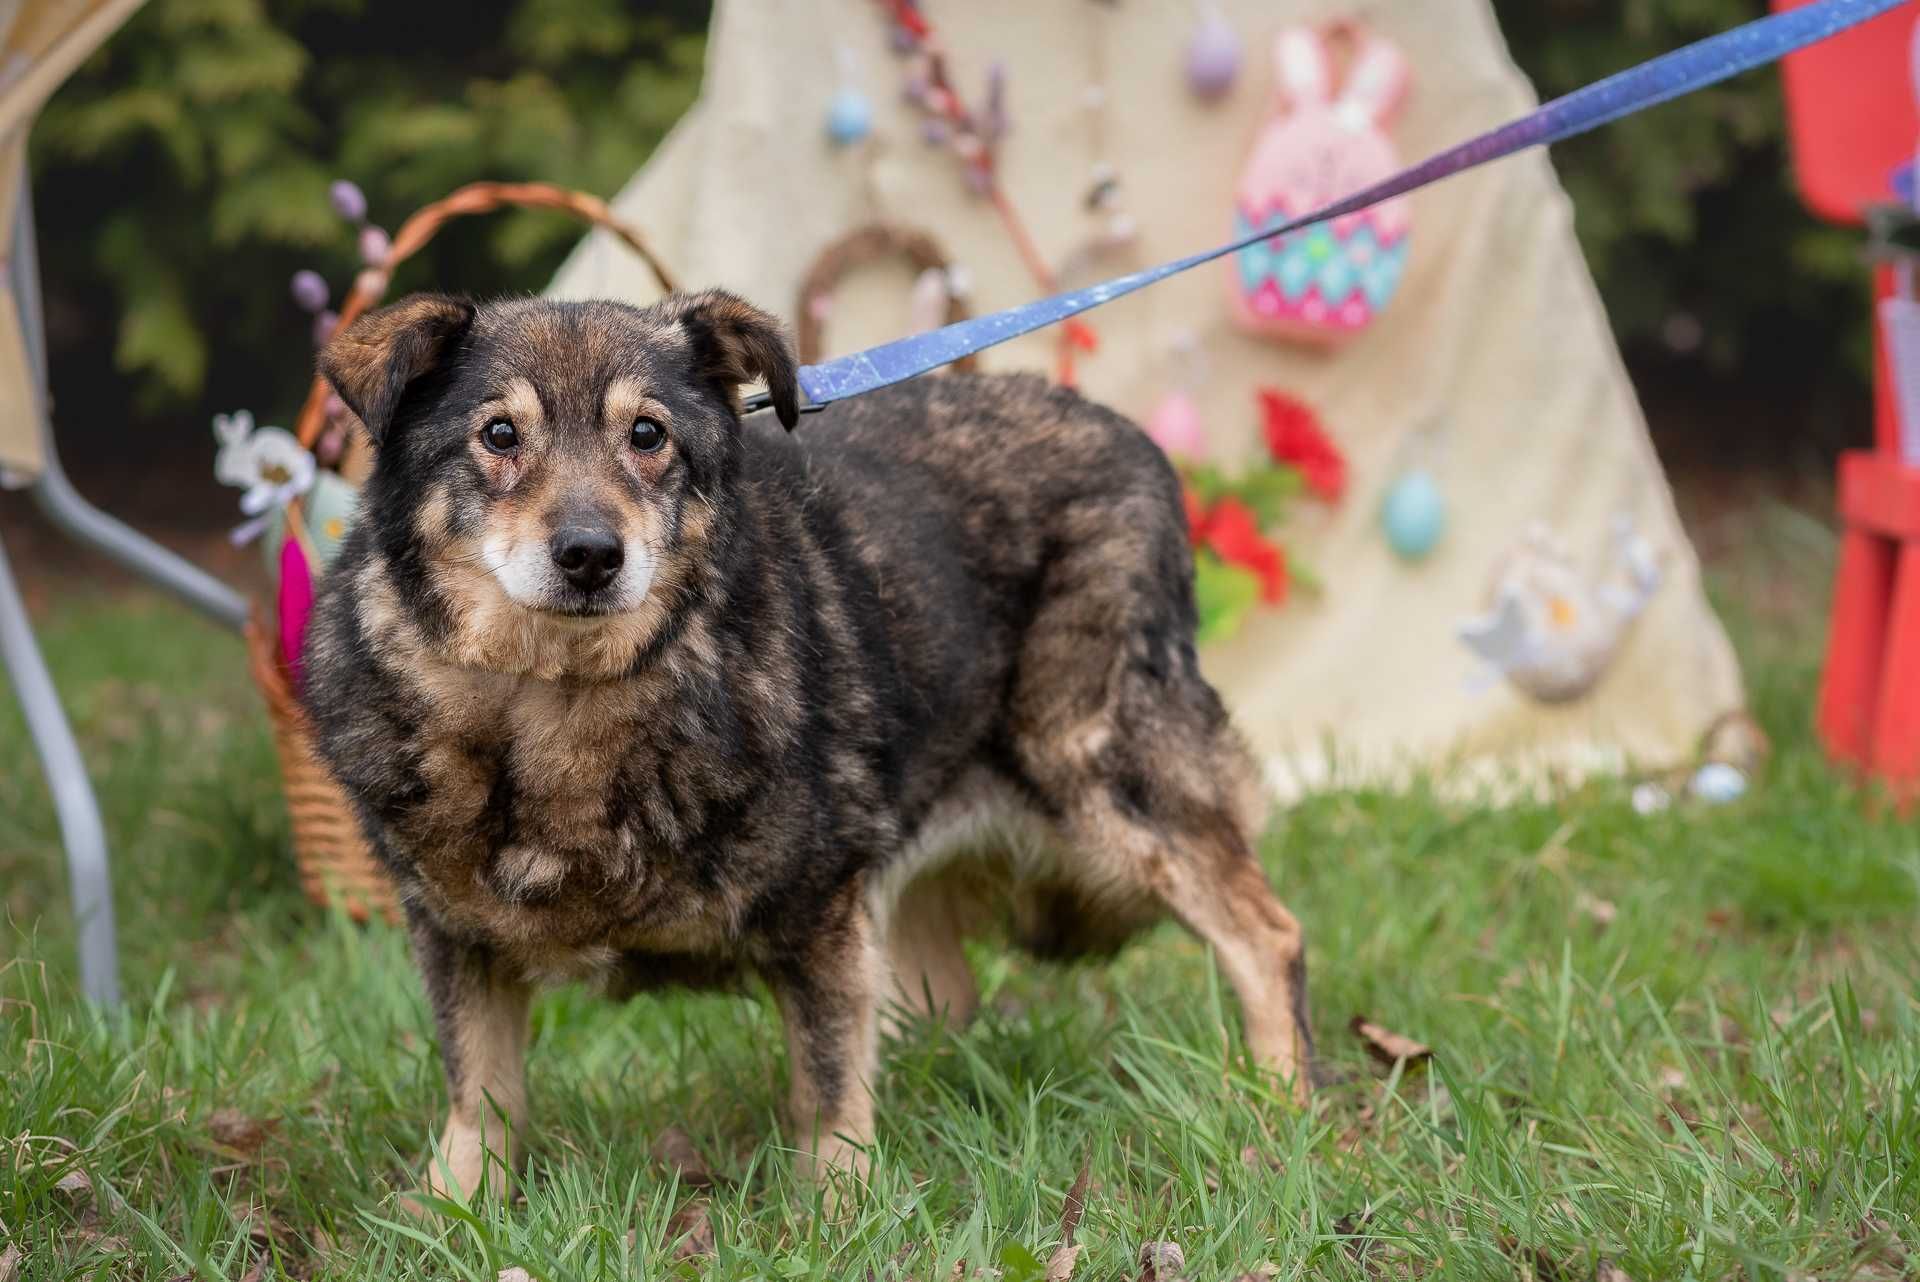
{"x":588,"y":556}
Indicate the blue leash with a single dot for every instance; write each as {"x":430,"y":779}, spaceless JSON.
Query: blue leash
{"x":1666,"y":77}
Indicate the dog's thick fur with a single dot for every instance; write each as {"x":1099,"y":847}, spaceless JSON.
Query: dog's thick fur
{"x":853,"y":692}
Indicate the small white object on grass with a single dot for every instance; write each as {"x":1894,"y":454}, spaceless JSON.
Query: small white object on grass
{"x":1650,"y":799}
{"x":1718,"y":782}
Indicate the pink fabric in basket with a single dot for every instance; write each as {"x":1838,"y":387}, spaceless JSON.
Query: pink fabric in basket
{"x":296,"y":602}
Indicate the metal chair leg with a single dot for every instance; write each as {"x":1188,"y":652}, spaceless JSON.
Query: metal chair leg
{"x":73,"y":800}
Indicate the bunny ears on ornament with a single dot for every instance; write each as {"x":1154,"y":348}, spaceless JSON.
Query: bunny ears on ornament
{"x":1371,"y":91}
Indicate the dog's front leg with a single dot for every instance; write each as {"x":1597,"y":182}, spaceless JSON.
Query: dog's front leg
{"x":480,"y":1009}
{"x":829,"y":986}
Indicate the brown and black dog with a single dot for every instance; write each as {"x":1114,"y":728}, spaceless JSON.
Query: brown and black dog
{"x":630,"y":689}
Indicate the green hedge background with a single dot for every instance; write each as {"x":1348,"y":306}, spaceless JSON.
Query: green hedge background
{"x":182,"y":175}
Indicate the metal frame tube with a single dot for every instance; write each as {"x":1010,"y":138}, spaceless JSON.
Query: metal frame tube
{"x":73,"y":801}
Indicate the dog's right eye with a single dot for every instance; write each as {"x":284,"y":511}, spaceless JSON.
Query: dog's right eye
{"x":500,"y":437}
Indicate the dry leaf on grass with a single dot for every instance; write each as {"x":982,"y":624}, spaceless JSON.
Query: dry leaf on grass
{"x":1880,"y":1246}
{"x":1354,"y":1236}
{"x":1252,"y":1158}
{"x":1538,"y":1264}
{"x":674,"y":1149}
{"x":691,"y":1231}
{"x":230,"y":1128}
{"x":10,"y":1264}
{"x":1610,"y":1272}
{"x":1060,"y":1264}
{"x":1162,"y":1262}
{"x":1600,"y":911}
{"x":75,"y":1189}
{"x":1388,"y":1046}
{"x":102,"y":1243}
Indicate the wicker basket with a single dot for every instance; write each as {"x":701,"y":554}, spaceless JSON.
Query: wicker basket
{"x":336,"y":864}
{"x":875,"y":242}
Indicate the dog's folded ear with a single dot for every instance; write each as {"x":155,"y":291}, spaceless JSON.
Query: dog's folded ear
{"x":371,"y":362}
{"x":735,"y":343}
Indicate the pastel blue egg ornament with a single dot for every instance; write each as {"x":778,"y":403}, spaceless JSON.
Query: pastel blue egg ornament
{"x":849,"y":117}
{"x":1414,"y":515}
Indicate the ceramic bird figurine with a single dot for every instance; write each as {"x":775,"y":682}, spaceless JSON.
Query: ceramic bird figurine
{"x":1553,"y":631}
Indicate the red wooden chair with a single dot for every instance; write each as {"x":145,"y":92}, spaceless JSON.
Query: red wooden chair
{"x":1852,"y":120}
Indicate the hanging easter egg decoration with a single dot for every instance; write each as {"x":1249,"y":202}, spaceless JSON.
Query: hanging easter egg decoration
{"x":849,"y":114}
{"x":1213,"y":55}
{"x":1175,"y":423}
{"x":1323,"y":284}
{"x":1175,"y":426}
{"x":1414,"y":514}
{"x":849,"y":117}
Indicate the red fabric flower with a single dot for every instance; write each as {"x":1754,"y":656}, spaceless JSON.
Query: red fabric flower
{"x":1196,"y":515}
{"x":1232,"y":532}
{"x":1294,"y":436}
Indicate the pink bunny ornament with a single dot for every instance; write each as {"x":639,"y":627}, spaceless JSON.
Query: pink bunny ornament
{"x":1322,"y":284}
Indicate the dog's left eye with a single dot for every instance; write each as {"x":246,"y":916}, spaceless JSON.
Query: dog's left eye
{"x":500,"y":437}
{"x":647,"y":435}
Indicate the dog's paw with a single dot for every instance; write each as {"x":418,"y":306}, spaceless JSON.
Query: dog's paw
{"x":839,"y":1167}
{"x":462,"y":1175}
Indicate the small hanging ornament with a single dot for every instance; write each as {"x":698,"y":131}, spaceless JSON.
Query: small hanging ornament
{"x":849,"y":114}
{"x":1413,"y":511}
{"x":1414,"y":514}
{"x":1213,"y":55}
{"x":1175,"y":424}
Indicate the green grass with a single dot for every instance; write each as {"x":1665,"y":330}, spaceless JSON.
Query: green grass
{"x":1723,"y":1081}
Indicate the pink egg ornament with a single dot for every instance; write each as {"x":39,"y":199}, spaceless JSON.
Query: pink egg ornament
{"x":1175,"y":427}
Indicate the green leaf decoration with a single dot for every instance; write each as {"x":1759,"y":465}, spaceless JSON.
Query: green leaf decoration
{"x":1223,"y":594}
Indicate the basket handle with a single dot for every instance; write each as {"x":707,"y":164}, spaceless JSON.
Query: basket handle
{"x":370,"y":286}
{"x":870,"y":243}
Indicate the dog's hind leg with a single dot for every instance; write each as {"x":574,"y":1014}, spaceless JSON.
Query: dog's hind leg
{"x":1156,"y":795}
{"x":480,"y":1009}
{"x":1206,"y":875}
{"x":829,"y":986}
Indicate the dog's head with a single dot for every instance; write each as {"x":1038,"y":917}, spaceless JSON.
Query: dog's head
{"x":549,"y":474}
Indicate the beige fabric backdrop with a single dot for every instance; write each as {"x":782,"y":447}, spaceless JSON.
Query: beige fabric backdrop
{"x":1497,"y":331}
{"x":41,"y":43}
